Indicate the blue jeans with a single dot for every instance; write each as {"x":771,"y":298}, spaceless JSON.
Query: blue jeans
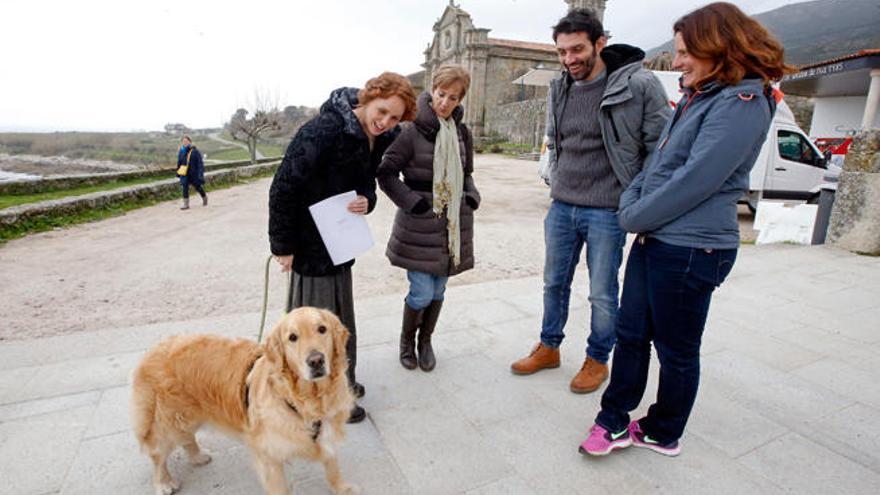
{"x":566,"y":229}
{"x":424,"y":288}
{"x":666,"y":294}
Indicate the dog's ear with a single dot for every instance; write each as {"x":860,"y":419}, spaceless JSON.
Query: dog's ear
{"x":340,"y":339}
{"x":274,"y":348}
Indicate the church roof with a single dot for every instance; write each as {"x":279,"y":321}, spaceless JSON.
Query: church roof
{"x":528,"y":45}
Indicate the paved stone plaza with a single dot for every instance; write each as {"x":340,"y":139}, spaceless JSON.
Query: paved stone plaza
{"x":789,"y":401}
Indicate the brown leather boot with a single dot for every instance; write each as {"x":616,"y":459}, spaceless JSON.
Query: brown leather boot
{"x":429,"y":321}
{"x":411,"y":320}
{"x":590,"y":377}
{"x":541,"y":357}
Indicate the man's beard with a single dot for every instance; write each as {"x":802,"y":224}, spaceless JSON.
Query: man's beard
{"x":588,"y":64}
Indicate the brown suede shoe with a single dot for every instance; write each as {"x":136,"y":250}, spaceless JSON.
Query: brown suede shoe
{"x":541,"y":357}
{"x":588,"y":379}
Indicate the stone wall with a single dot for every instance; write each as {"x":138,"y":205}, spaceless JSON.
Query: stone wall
{"x":802,"y":108}
{"x":500,"y":89}
{"x":855,"y":217}
{"x":520,"y":122}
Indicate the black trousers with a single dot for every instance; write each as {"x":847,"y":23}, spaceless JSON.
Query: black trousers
{"x":184,"y":183}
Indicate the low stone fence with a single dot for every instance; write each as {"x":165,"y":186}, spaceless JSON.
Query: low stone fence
{"x":73,"y":181}
{"x":855,"y":217}
{"x":155,"y":190}
{"x":521,"y":122}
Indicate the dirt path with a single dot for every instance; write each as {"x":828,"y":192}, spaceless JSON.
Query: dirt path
{"x":162,"y":264}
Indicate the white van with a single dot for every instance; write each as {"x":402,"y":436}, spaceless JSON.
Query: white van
{"x":789,"y":167}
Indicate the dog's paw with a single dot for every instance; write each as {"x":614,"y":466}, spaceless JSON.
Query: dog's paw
{"x":167,"y":488}
{"x":200,"y":460}
{"x":348,"y":489}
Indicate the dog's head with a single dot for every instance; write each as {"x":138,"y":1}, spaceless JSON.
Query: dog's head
{"x":310,"y":343}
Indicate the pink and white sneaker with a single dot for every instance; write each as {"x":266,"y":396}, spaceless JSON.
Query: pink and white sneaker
{"x":602,"y":441}
{"x":640,"y":439}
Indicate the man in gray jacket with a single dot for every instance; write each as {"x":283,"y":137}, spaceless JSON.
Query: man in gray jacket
{"x":605,"y":114}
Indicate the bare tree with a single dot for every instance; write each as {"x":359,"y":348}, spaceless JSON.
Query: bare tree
{"x":295,"y":117}
{"x":248,"y":127}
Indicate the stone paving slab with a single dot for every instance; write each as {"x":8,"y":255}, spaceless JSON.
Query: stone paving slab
{"x":788,"y":400}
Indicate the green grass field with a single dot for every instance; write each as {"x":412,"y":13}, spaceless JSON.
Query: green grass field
{"x":229,"y":154}
{"x":270,"y":150}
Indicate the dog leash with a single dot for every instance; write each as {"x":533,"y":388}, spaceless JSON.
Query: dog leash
{"x":266,"y":296}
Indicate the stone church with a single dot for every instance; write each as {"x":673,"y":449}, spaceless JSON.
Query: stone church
{"x":494,"y":104}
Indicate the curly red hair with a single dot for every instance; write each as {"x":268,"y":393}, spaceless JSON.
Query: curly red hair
{"x":736,"y":44}
{"x":386,"y":85}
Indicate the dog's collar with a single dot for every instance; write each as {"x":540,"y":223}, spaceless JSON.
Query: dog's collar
{"x":316,"y":425}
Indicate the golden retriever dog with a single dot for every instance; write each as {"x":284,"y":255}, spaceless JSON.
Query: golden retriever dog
{"x":286,"y":398}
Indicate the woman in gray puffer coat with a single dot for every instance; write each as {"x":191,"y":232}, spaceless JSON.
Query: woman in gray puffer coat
{"x":432,"y":238}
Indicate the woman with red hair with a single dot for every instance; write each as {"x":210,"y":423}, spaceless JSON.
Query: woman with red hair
{"x":335,"y":152}
{"x":683,"y":208}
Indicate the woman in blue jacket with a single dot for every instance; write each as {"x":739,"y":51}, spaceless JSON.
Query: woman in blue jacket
{"x":190,"y":156}
{"x":683,"y":208}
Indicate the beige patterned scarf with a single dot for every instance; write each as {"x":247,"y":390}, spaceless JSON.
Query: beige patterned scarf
{"x":449,"y":183}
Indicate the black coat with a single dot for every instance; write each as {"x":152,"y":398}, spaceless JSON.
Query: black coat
{"x":195,"y":173}
{"x":329,"y":155}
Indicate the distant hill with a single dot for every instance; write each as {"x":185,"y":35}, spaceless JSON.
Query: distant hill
{"x":818,"y":30}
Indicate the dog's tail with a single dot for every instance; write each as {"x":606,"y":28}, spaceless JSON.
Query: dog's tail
{"x":143,"y":409}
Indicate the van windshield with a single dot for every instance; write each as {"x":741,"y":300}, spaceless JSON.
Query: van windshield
{"x":794,"y":147}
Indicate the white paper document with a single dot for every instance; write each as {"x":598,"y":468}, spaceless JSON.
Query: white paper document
{"x":345,"y":234}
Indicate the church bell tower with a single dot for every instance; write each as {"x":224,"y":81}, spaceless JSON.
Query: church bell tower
{"x":597,"y":6}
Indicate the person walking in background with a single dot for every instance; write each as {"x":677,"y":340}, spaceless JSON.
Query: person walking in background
{"x":190,"y":170}
{"x":432,"y":237}
{"x":605,"y":115}
{"x":683,"y":208}
{"x":335,"y":152}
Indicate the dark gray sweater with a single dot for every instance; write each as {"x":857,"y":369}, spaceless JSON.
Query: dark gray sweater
{"x":583,"y":175}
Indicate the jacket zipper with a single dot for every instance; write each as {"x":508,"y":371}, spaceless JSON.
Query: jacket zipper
{"x":564,"y":103}
{"x":678,"y":114}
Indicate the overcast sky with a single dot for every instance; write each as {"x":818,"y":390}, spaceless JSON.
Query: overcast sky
{"x":122,"y":65}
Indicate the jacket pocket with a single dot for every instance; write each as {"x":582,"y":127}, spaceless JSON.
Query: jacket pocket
{"x":613,"y":126}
